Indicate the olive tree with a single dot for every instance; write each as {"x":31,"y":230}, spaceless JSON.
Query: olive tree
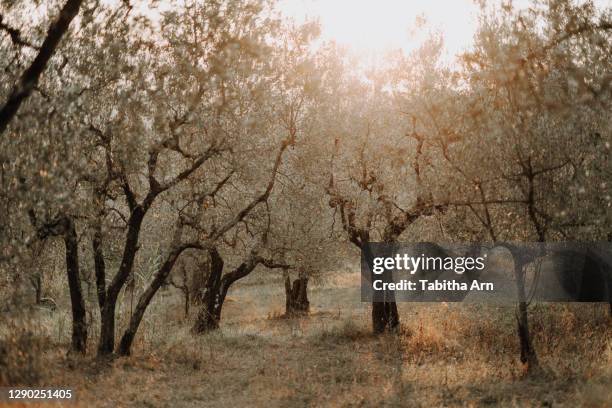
{"x":531,"y":130}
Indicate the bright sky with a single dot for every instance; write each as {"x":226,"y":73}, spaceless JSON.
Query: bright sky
{"x":372,"y":26}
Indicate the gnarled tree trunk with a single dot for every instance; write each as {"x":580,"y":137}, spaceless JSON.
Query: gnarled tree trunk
{"x":79,"y":324}
{"x":106,"y":343}
{"x":212,"y":298}
{"x":385,"y":317}
{"x":64,"y":226}
{"x":296,"y":296}
{"x":217,"y":286}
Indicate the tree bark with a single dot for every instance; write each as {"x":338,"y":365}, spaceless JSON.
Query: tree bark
{"x":79,"y":325}
{"x":210,"y":311}
{"x":211,"y":300}
{"x":296,"y":296}
{"x":385,"y":317}
{"x":107,"y":318}
{"x":28,"y":80}
{"x":106,"y":342}
{"x":63,"y":226}
{"x":217,"y":286}
{"x":99,"y":266}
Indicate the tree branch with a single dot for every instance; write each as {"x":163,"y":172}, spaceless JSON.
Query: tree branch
{"x":15,"y":35}
{"x":22,"y":90}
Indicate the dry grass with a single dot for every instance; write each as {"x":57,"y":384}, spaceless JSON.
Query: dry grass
{"x":445,"y":355}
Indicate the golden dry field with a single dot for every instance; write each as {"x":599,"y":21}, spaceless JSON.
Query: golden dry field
{"x":445,"y":355}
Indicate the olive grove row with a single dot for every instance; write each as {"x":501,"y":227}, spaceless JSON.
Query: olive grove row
{"x":218,"y":138}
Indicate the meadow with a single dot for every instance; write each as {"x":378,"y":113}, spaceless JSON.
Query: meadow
{"x":445,"y":354}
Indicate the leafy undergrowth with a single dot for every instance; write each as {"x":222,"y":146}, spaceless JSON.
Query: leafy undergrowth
{"x":444,"y":355}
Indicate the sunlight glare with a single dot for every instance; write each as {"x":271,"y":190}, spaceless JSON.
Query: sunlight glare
{"x":372,"y":26}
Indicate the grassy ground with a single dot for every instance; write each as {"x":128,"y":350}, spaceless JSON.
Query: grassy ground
{"x":446,"y":355}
